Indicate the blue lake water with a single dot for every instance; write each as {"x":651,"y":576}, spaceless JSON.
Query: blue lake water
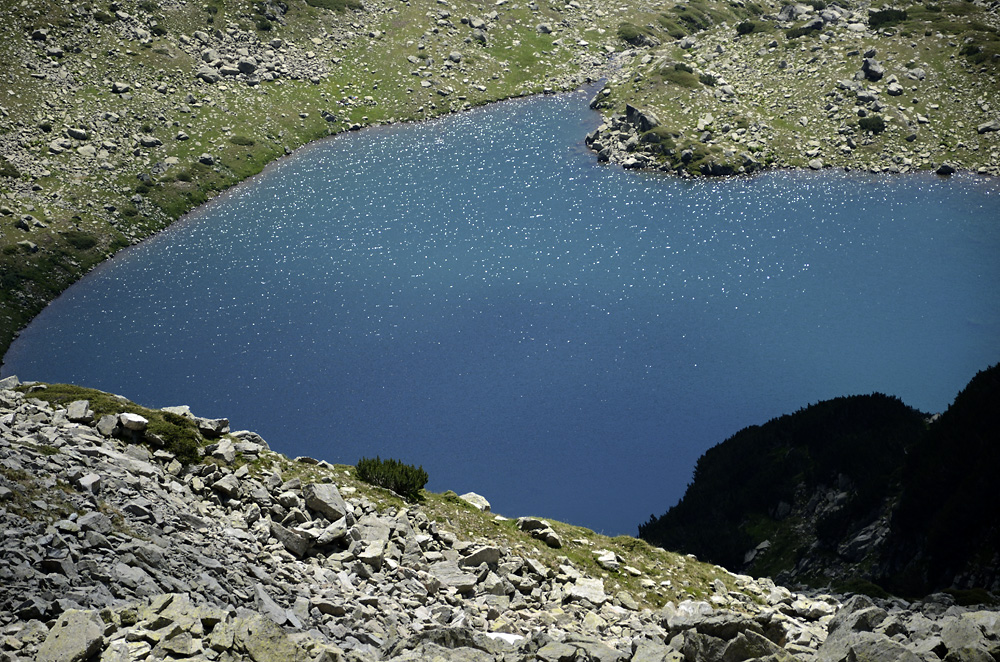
{"x":476,"y":295}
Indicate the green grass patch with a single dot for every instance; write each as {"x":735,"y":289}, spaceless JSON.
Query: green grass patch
{"x":801,"y":31}
{"x":8,"y":169}
{"x":631,"y":34}
{"x":872,"y":124}
{"x":679,"y":77}
{"x":179,"y":434}
{"x":973,"y":596}
{"x":856,"y":585}
{"x":79,"y":240}
{"x":335,"y":5}
{"x":672,"y":26}
{"x":885,"y":17}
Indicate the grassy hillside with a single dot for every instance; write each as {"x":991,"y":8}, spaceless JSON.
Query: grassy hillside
{"x":116,"y":118}
{"x":737,"y":87}
{"x":111,"y":126}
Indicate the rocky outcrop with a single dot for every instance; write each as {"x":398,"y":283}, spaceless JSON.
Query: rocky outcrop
{"x":119,"y":553}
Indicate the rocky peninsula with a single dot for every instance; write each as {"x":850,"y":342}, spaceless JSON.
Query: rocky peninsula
{"x":137,"y":534}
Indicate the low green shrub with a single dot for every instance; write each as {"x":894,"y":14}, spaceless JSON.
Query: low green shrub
{"x":863,"y":587}
{"x":403,"y":479}
{"x":885,"y":17}
{"x":79,"y":240}
{"x":695,"y":19}
{"x":671,"y":26}
{"x":746,"y":27}
{"x":680,"y":78}
{"x":972,"y":596}
{"x":795,"y":33}
{"x":872,"y":124}
{"x":241,"y":140}
{"x":335,"y":5}
{"x":680,"y":75}
{"x":630,"y":33}
{"x":8,"y":169}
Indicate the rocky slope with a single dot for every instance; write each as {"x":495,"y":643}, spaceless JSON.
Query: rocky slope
{"x":117,"y":550}
{"x":846,"y":85}
{"x":861,"y":492}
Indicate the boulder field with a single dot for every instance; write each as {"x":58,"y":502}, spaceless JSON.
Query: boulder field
{"x":116,"y":550}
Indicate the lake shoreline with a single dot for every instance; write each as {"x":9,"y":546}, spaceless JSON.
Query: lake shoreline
{"x":480,"y":285}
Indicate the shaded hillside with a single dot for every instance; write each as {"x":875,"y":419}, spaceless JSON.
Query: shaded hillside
{"x":852,"y":491}
{"x":762,"y":483}
{"x":946,"y":529}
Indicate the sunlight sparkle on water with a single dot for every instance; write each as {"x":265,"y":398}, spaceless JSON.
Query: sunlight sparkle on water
{"x":477,"y":295}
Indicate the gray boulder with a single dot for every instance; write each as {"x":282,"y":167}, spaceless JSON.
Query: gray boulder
{"x":476,"y":500}
{"x":861,"y":646}
{"x":294,"y":542}
{"x":872,"y":69}
{"x":107,"y":424}
{"x":133,"y":422}
{"x":208,"y":74}
{"x":77,"y":636}
{"x":228,"y":485}
{"x":643,"y":120}
{"x":750,"y":645}
{"x":451,"y":575}
{"x":698,"y":647}
{"x":325,"y":499}
{"x":212,"y":428}
{"x":263,"y":639}
{"x":988,"y":127}
{"x":79,"y":411}
{"x":591,"y":590}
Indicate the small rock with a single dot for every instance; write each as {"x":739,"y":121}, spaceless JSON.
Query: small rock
{"x":133,"y":422}
{"x":476,"y":500}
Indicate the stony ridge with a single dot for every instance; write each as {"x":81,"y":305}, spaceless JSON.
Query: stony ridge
{"x":115,"y":551}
